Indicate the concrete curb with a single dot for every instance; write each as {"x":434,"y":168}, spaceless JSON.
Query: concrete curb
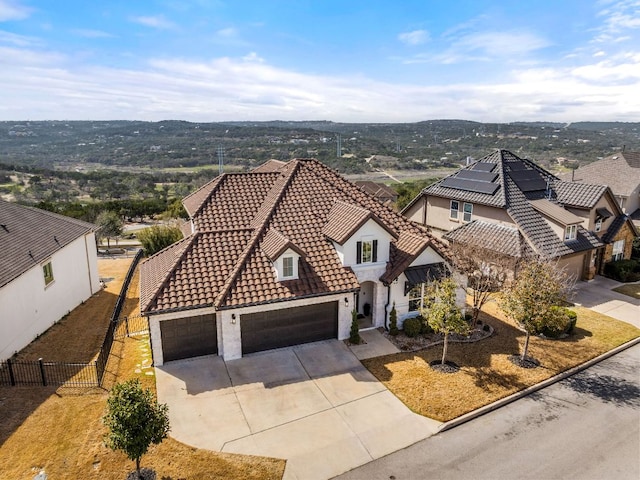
{"x":523,"y":393}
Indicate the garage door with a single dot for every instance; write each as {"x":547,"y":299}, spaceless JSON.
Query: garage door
{"x":291,"y":326}
{"x":189,"y":337}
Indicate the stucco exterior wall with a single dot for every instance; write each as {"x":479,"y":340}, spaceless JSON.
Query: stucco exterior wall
{"x":369,"y":231}
{"x":28,"y":307}
{"x":438,"y":211}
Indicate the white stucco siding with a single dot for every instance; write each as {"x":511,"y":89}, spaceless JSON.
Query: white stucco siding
{"x":428,"y":256}
{"x":371,"y":230}
{"x":28,"y":307}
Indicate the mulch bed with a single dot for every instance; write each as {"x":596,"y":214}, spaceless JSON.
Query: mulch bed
{"x":426,"y":340}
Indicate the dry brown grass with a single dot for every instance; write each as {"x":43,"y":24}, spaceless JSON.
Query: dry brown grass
{"x":486,"y":374}
{"x":61,"y":430}
{"x":630,"y":289}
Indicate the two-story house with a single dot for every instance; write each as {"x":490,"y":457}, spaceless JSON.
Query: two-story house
{"x":48,"y":266}
{"x":621,"y":173}
{"x":514,"y":207}
{"x":281,"y":256}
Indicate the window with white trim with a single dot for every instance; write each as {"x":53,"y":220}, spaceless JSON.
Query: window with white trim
{"x":570,"y":232}
{"x":453,"y":210}
{"x":618,"y":250}
{"x":416,"y":297}
{"x":598,"y":226}
{"x":287,"y":267}
{"x":47,"y":271}
{"x":468,"y":211}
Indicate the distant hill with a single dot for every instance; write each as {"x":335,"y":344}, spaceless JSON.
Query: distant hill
{"x":421,"y":145}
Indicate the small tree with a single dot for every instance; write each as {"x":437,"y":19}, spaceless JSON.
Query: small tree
{"x":154,"y":239}
{"x":529,"y":300}
{"x":486,"y":273}
{"x":354,"y":334}
{"x":135,"y":420}
{"x":441,"y":312}
{"x":109,"y":225}
{"x":393,"y":321}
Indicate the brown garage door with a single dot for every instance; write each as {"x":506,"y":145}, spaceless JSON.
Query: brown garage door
{"x":290,"y":326}
{"x":189,"y":337}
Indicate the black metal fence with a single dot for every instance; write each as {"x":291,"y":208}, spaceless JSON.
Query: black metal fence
{"x":26,"y":373}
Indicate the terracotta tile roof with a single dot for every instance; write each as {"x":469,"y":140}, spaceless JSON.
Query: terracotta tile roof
{"x":275,"y":244}
{"x":194,"y":201}
{"x":346,"y":218}
{"x":403,"y":252}
{"x":269,"y":166}
{"x":621,"y":172}
{"x":30,"y":235}
{"x":228,"y":267}
{"x":234,"y":201}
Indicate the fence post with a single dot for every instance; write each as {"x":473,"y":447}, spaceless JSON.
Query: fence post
{"x":11,"y":376}
{"x":126,"y":325}
{"x":44,"y":378}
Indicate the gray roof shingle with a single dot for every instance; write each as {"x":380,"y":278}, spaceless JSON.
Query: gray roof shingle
{"x":30,"y":235}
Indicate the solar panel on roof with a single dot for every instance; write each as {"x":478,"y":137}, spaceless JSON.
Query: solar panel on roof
{"x":517,"y":166}
{"x":470,"y":185}
{"x":531,"y":185}
{"x":484,"y":166}
{"x":477,"y":175}
{"x":525,"y":175}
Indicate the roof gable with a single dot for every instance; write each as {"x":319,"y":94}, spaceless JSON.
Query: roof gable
{"x":345,"y":219}
{"x":621,"y":172}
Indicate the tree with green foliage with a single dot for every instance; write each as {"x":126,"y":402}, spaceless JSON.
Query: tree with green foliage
{"x":154,"y":239}
{"x":109,"y":225}
{"x":354,"y":334}
{"x":441,"y":312}
{"x":530,"y":300}
{"x":135,"y":420}
{"x":393,"y":321}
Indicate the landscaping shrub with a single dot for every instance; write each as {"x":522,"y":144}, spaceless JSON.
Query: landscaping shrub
{"x":623,"y":270}
{"x":393,"y":321}
{"x":354,"y":334}
{"x":571,"y":318}
{"x":412,"y":327}
{"x":425,"y":328}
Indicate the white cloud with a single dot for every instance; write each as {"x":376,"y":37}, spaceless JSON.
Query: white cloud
{"x":499,"y":44}
{"x":416,"y":37}
{"x":250,"y":88}
{"x":227,"y":32}
{"x":11,"y":10}
{"x":157,"y":21}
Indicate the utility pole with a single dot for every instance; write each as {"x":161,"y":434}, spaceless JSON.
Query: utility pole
{"x":338,"y":146}
{"x":220,"y":152}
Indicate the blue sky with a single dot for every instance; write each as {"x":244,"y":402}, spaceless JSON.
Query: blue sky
{"x":346,"y":61}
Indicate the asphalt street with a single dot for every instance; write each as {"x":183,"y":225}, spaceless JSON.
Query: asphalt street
{"x":584,"y":427}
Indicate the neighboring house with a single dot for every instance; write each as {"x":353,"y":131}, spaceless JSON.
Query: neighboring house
{"x":48,"y":266}
{"x":514,"y":207}
{"x":621,"y":172}
{"x":383,"y":193}
{"x":279,"y":257}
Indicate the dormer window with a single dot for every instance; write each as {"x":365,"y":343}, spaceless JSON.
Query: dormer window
{"x":367,"y":251}
{"x":284,"y":255}
{"x":287,"y":267}
{"x":570,"y":232}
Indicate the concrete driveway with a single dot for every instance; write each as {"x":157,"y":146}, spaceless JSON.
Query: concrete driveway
{"x":314,"y":405}
{"x":598,"y":295}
